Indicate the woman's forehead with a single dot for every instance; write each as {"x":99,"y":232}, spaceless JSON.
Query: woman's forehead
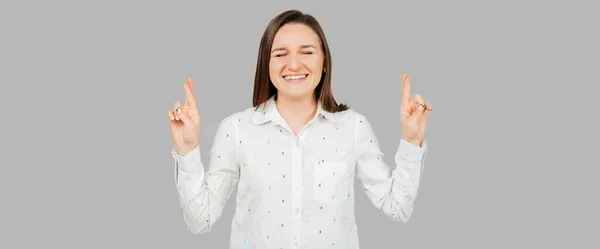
{"x":295,"y":36}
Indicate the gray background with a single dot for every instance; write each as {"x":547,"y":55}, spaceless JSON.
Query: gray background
{"x":86,"y":146}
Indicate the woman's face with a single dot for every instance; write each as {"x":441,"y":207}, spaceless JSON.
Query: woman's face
{"x":296,"y":62}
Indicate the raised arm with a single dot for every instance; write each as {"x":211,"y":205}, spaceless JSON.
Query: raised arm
{"x":394,"y":193}
{"x":202,"y":191}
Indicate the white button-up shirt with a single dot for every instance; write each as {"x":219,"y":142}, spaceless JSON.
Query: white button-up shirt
{"x":295,"y":191}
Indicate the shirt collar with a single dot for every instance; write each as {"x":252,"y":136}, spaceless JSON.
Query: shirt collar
{"x":268,"y":112}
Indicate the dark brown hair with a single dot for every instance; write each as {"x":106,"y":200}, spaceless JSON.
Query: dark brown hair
{"x":264,"y":88}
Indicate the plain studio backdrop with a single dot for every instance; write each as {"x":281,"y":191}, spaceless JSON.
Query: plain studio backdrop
{"x":86,"y":145}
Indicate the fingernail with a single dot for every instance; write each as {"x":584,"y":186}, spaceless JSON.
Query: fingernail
{"x":420,"y":106}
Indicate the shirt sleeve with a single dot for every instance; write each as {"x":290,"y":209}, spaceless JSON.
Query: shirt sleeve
{"x":203,"y":193}
{"x":392,"y":192}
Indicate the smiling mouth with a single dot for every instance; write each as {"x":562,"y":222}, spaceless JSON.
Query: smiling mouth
{"x":295,"y":78}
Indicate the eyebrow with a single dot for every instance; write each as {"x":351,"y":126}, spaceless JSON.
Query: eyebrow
{"x":302,"y":47}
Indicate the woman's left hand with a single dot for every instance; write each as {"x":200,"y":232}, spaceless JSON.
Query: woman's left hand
{"x":413,"y":114}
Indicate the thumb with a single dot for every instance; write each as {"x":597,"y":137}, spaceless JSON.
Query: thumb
{"x":418,"y":112}
{"x":185,"y":118}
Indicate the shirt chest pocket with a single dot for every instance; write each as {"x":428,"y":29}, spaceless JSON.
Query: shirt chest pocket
{"x":332,"y":182}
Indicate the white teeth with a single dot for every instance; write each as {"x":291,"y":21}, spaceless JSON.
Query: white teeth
{"x":295,"y":77}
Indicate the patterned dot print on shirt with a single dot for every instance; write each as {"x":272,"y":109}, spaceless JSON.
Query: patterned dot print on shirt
{"x":299,"y":188}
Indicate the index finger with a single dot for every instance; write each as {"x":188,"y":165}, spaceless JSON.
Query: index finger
{"x":189,"y":96}
{"x":405,"y":87}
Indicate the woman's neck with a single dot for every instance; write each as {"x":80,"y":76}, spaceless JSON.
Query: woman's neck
{"x":297,"y":112}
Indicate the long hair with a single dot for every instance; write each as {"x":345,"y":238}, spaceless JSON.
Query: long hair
{"x":264,"y":88}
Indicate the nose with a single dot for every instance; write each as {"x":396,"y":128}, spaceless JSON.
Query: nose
{"x":294,"y":62}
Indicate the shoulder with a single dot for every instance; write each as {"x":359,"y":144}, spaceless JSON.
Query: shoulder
{"x":239,"y":116}
{"x":350,"y":117}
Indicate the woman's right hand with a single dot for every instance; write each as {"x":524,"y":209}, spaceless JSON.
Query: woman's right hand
{"x":185,"y":121}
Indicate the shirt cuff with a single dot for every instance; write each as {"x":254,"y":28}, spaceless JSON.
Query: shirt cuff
{"x":189,"y":161}
{"x":412,"y":152}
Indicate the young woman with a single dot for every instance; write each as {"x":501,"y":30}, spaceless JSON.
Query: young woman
{"x":294,"y":155}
